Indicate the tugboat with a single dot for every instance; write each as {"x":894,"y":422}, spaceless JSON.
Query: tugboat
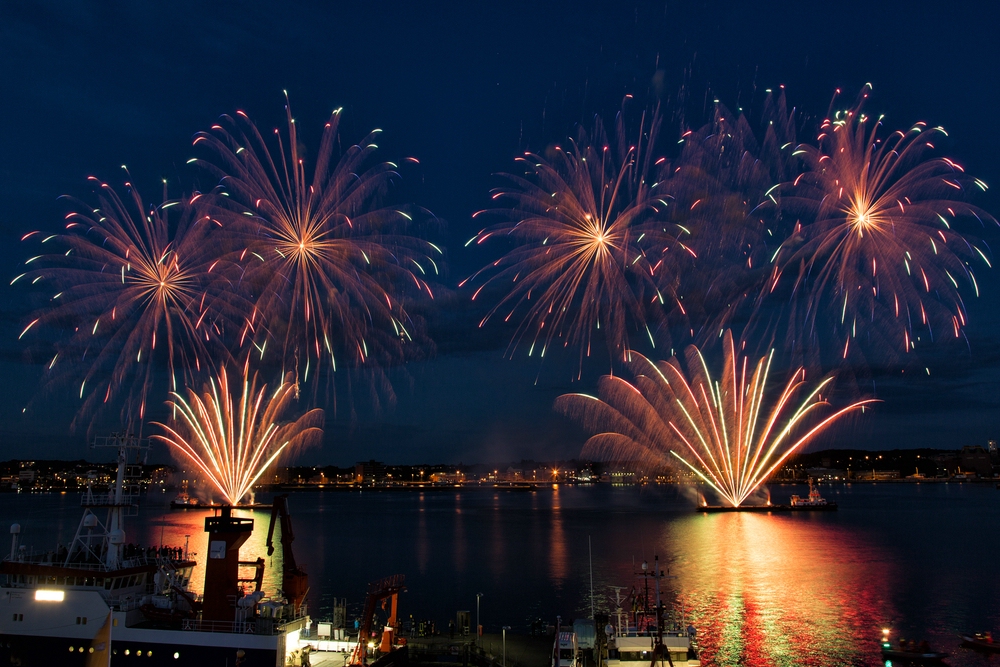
{"x":104,"y":601}
{"x":813,"y":502}
{"x":183,"y":500}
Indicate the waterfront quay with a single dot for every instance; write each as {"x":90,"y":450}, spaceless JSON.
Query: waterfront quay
{"x":492,"y":650}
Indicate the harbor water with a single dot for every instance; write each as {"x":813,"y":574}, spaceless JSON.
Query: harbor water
{"x":813,"y":588}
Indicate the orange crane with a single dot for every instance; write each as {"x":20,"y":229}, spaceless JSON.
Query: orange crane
{"x":294,"y":581}
{"x":385,"y":591}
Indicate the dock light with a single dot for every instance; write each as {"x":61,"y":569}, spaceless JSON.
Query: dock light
{"x":47,"y":595}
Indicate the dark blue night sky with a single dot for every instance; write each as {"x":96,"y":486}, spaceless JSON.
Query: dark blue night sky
{"x":89,"y":86}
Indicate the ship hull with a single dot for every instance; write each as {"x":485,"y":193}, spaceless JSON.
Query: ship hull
{"x":34,"y":632}
{"x":29,"y":651}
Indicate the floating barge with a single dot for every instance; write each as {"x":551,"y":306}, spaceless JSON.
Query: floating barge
{"x":813,"y":503}
{"x":827,"y":507}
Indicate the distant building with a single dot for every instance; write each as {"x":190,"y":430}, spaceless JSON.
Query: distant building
{"x":826,"y":473}
{"x":876,"y":474}
{"x":369,"y":472}
{"x":977,"y":460}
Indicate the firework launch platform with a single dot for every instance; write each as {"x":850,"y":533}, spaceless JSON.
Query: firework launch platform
{"x":826,"y":507}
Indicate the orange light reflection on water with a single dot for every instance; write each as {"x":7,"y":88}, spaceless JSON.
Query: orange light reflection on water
{"x":780,"y":590}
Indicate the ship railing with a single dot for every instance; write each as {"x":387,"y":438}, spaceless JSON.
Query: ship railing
{"x":231,"y":627}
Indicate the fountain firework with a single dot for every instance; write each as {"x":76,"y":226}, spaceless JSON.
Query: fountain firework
{"x":234,"y":440}
{"x":726,"y":432}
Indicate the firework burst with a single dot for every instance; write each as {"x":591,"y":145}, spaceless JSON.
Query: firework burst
{"x":323,"y":258}
{"x":589,"y":243}
{"x":728,"y":432}
{"x":877,"y":256}
{"x":132,"y":288}
{"x":720,"y":190}
{"x":233,"y":440}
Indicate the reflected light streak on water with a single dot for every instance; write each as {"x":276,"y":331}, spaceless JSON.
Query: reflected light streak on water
{"x":780,"y":589}
{"x":803,"y":589}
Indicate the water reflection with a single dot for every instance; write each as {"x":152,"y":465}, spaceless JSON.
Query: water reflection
{"x":779,"y":590}
{"x":423,"y":543}
{"x":188,"y":527}
{"x":460,"y":547}
{"x":558,"y":567}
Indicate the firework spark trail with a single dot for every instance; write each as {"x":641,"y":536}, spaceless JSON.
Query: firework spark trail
{"x":878,"y":256}
{"x":233,"y":441}
{"x":721,"y":189}
{"x":128,"y":282}
{"x":327,"y":261}
{"x":726,"y":431}
{"x":589,"y":245}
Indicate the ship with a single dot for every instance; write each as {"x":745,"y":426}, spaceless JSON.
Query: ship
{"x":653,"y":634}
{"x":104,"y":601}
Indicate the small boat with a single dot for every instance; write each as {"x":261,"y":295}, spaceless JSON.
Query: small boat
{"x":910,"y":652}
{"x":183,"y":500}
{"x":813,"y":502}
{"x":980,"y":642}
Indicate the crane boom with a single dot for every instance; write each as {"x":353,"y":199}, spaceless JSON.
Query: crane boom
{"x":294,"y":580}
{"x":383,"y":590}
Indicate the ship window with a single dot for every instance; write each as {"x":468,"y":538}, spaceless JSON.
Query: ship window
{"x":126,"y":651}
{"x":118,"y":583}
{"x":91,"y":649}
{"x":71,"y":649}
{"x":107,"y":583}
{"x":50,"y":580}
{"x":176,"y":656}
{"x":132,"y":580}
{"x":99,"y":581}
{"x":18,"y":617}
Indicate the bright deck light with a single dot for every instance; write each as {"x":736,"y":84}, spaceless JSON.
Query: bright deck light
{"x":43,"y":595}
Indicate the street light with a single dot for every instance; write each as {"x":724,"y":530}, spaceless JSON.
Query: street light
{"x":479,"y":627}
{"x":505,"y":629}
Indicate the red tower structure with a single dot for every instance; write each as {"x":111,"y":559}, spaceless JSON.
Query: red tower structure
{"x":226,"y":534}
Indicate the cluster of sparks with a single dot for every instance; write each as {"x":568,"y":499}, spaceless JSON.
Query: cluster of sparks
{"x":581,"y":222}
{"x":323,"y":255}
{"x":729,"y":431}
{"x":232,"y":439}
{"x":880,"y":244}
{"x":847,"y":243}
{"x":313,"y":269}
{"x":768,"y":232}
{"x":130,"y":282}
